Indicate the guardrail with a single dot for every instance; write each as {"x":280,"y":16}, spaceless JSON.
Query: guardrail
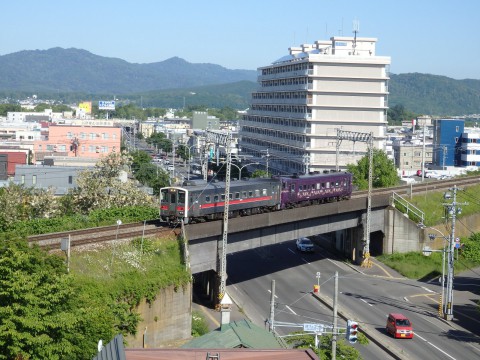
{"x":418,"y":215}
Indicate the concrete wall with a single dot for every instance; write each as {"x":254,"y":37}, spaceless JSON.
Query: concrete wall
{"x":167,"y":320}
{"x":401,"y":233}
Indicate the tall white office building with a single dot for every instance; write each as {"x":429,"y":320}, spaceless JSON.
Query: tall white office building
{"x":304,"y":97}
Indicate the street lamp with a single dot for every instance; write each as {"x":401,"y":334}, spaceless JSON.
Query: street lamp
{"x":241,"y":168}
{"x":189,"y":159}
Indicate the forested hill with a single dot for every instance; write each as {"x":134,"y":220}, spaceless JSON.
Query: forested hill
{"x":435,"y":95}
{"x":76,"y":70}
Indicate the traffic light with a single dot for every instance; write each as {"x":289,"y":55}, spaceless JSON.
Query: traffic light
{"x":352,"y":330}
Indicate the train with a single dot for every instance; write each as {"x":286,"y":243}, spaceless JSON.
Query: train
{"x":200,"y":201}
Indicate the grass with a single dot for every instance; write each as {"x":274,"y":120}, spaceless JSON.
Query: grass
{"x":414,"y":265}
{"x":431,"y":203}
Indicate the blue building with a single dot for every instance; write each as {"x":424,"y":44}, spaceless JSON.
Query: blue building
{"x":447,"y":141}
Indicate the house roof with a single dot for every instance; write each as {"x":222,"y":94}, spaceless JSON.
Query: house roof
{"x":236,"y":334}
{"x":220,"y":354}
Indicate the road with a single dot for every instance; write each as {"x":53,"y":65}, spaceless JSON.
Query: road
{"x":369,"y":298}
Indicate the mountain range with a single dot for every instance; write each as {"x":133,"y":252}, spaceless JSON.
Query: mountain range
{"x":80,"y":75}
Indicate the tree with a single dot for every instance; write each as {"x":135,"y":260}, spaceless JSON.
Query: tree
{"x":324,"y":350}
{"x":384,"y":172}
{"x":19,"y":203}
{"x":42,"y":313}
{"x":259,"y":173}
{"x":153,"y":176}
{"x":102,"y":187}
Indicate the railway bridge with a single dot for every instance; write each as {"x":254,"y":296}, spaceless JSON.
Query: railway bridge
{"x":344,"y":221}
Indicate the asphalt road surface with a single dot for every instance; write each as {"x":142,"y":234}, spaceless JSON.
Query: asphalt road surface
{"x":368,"y":294}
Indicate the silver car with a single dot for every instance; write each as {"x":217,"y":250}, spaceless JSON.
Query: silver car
{"x":305,"y":245}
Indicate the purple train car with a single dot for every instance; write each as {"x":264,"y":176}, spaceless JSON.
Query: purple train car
{"x":306,"y":190}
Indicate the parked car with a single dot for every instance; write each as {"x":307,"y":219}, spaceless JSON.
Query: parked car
{"x":305,"y":245}
{"x":399,"y":326}
{"x":170,"y":167}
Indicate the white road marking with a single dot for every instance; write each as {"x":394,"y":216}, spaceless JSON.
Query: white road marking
{"x":270,"y":291}
{"x":293,"y":312}
{"x":365,"y":301}
{"x":436,"y":347}
{"x":405,"y":298}
{"x":427,"y":289}
{"x":305,"y":261}
{"x":293,"y":252}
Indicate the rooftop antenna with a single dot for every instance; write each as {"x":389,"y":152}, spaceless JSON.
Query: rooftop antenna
{"x":356,"y":29}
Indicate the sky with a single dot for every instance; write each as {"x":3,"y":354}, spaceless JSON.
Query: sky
{"x":439,"y":37}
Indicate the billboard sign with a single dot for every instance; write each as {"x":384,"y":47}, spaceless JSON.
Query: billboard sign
{"x":86,"y":106}
{"x":106,"y":105}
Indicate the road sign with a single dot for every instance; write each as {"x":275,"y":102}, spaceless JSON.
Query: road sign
{"x":317,"y":328}
{"x":318,"y":274}
{"x":106,"y":105}
{"x":426,"y":251}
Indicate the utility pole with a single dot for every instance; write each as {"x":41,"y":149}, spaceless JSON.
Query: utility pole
{"x":272,"y":306}
{"x":453,"y":209}
{"x":335,"y":304}
{"x":368,"y":139}
{"x":423,"y":150}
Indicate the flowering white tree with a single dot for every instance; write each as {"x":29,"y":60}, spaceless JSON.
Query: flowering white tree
{"x":103,"y":187}
{"x":19,"y":203}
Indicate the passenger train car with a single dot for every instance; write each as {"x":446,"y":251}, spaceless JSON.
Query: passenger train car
{"x":199,"y":201}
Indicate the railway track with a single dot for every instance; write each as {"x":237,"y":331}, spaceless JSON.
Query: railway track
{"x":100,"y":235}
{"x":419,"y":188}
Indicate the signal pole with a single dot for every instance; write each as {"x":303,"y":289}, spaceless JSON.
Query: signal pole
{"x":335,"y":302}
{"x":453,"y":209}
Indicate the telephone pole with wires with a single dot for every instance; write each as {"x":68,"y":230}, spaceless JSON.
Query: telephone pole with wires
{"x":452,"y":210}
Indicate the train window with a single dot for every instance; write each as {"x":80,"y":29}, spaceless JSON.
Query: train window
{"x":222,"y":197}
{"x":318,"y":186}
{"x":164,"y":195}
{"x":257,"y":193}
{"x":237,"y":195}
{"x":244,"y":195}
{"x":264,"y":192}
{"x":323,"y":185}
{"x":300,"y":187}
{"x":173,"y":198}
{"x":215,"y":198}
{"x":181,"y":197}
{"x":207,"y":198}
{"x":250,"y":193}
{"x":292,"y":187}
{"x":284,"y":185}
{"x":327,"y":185}
{"x":230,"y":196}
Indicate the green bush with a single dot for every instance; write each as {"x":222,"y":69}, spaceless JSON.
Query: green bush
{"x":96,"y":218}
{"x":199,"y":324}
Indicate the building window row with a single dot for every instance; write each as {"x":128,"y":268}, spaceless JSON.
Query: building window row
{"x":267,"y":120}
{"x":303,"y":80}
{"x":287,"y":68}
{"x":470,"y":141}
{"x":275,"y":133}
{"x":282,"y":108}
{"x":91,"y":136}
{"x":280,"y":95}
{"x":287,"y":150}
